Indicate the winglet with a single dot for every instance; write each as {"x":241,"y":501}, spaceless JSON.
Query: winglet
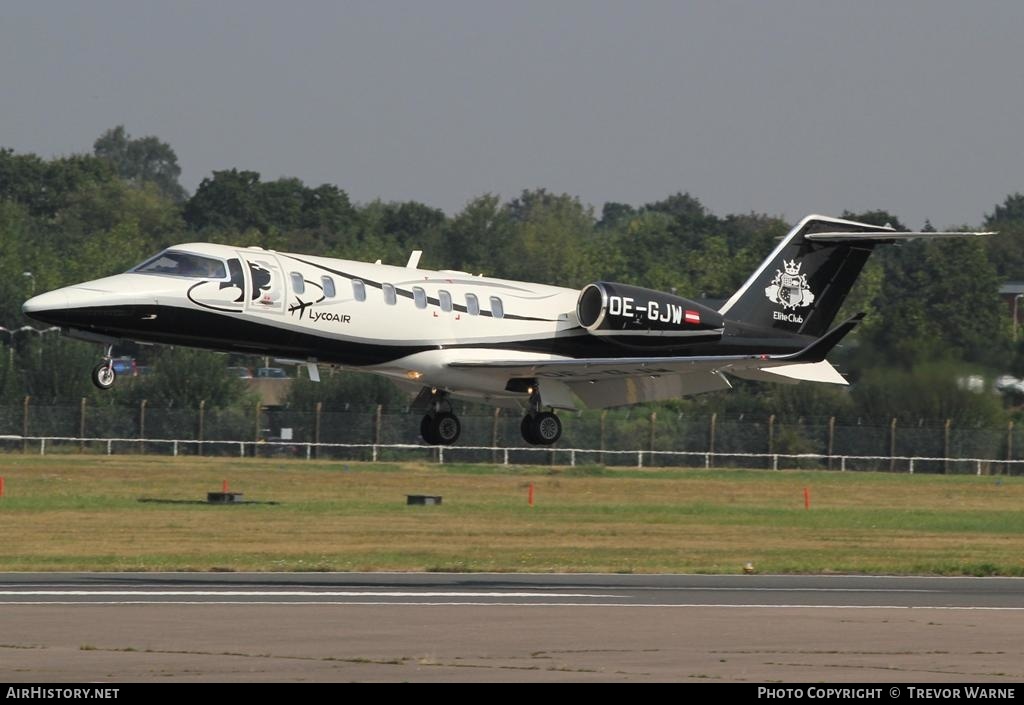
{"x":816,"y":351}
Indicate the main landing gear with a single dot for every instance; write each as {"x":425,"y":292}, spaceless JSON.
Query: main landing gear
{"x":103,"y":374}
{"x":440,"y":427}
{"x":540,"y":428}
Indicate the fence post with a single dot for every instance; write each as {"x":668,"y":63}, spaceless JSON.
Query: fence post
{"x":494,"y":435}
{"x":831,"y":438}
{"x":1009,"y":448}
{"x":256,"y":429}
{"x":24,"y":424}
{"x":945,"y":447}
{"x":81,"y":425}
{"x":711,"y":439}
{"x":652,"y":431}
{"x":771,"y":434}
{"x":376,"y":424}
{"x":316,"y":428}
{"x":892,"y":445}
{"x":600,"y":456}
{"x":142,"y":425}
{"x":202,"y":415}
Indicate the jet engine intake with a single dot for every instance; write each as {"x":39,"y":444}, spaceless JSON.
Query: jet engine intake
{"x":611,"y":309}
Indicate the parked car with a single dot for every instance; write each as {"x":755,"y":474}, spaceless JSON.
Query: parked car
{"x":240,"y":372}
{"x":124,"y":367}
{"x":271,"y":373}
{"x":1007,"y":382}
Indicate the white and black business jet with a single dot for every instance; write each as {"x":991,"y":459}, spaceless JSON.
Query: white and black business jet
{"x":455,"y":335}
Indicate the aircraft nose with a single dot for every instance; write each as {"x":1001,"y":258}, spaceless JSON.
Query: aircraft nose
{"x":52,"y":303}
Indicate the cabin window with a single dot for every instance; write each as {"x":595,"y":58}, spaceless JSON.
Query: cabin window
{"x":359,"y":289}
{"x":183,"y":264}
{"x":472,"y":305}
{"x":389,"y":294}
{"x":419,"y":296}
{"x":328,"y":284}
{"x":497,"y":308}
{"x":298,"y":285}
{"x":445,"y":299}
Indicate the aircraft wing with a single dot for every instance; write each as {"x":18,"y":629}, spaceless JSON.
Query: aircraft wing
{"x":602,"y":382}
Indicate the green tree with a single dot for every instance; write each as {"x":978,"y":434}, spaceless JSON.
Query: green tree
{"x":229,"y":200}
{"x":142,"y":160}
{"x":1006,"y":247}
{"x":940,"y":300}
{"x":183,"y":377}
{"x":553,"y":239}
{"x":479,"y":238}
{"x":343,"y":391}
{"x":44,"y":187}
{"x":932,"y":391}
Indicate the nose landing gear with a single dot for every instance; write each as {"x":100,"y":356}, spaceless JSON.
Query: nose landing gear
{"x":103,"y":375}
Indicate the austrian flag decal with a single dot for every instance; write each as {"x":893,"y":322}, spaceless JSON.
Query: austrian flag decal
{"x":693,"y":317}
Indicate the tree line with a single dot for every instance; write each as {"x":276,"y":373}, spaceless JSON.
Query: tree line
{"x":934,"y":316}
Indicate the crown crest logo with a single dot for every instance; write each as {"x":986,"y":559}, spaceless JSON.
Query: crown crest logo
{"x":790,"y":289}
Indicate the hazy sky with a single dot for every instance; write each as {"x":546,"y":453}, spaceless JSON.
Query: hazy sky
{"x":779,"y":106}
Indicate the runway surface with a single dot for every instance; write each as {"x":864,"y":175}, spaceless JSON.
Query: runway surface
{"x":432,"y":627}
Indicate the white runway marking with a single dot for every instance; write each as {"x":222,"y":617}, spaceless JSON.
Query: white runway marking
{"x":157,"y":603}
{"x":285,"y":593}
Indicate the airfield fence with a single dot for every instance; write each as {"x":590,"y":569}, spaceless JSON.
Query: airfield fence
{"x":628,"y":437}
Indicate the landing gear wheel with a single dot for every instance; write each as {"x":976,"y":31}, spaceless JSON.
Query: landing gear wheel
{"x":526,"y":428}
{"x":447,"y":428}
{"x":441,"y":429}
{"x":427,"y":430}
{"x":541,"y":429}
{"x":103,"y":375}
{"x":547,"y":428}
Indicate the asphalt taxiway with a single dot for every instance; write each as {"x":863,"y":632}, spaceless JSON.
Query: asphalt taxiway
{"x":505,"y":627}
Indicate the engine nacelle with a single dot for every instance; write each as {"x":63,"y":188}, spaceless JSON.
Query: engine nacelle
{"x":621,"y":310}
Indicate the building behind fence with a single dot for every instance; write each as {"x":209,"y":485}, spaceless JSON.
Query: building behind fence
{"x":713,"y":440}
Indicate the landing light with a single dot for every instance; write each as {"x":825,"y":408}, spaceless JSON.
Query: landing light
{"x":414,"y":374}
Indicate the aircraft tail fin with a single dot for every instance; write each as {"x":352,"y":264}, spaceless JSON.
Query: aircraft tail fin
{"x":800,"y":287}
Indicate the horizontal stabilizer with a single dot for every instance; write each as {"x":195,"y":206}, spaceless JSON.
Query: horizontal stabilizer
{"x":809,"y":372}
{"x":883,"y":236}
{"x":816,"y":351}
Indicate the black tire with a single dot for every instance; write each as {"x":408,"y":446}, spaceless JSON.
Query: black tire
{"x":547,"y":428}
{"x":103,"y":376}
{"x":446,"y":428}
{"x":526,"y":428}
{"x":427,"y":430}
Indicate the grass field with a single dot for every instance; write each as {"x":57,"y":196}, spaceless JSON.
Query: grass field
{"x":83,"y":513}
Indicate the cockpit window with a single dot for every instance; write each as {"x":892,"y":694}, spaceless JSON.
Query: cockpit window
{"x":183,"y":264}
